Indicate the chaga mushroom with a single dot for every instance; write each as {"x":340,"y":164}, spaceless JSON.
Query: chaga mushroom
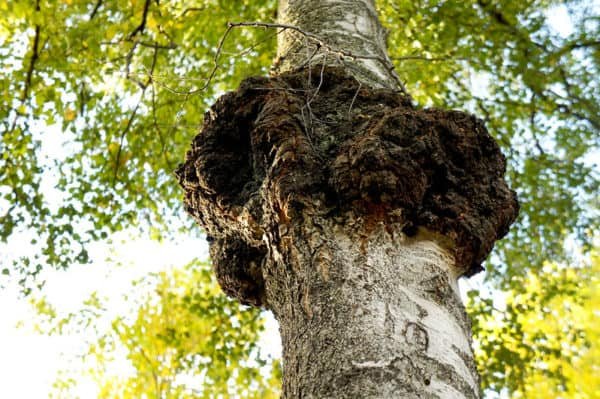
{"x":323,"y":141}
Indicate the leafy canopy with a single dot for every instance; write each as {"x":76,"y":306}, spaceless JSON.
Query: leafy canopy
{"x":100,"y":99}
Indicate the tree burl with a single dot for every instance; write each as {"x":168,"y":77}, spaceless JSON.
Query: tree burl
{"x":318,"y":139}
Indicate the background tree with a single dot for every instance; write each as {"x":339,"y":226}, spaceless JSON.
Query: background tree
{"x":65,"y":59}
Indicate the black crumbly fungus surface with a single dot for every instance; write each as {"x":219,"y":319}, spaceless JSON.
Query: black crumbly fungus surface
{"x":237,"y":266}
{"x":319,"y":139}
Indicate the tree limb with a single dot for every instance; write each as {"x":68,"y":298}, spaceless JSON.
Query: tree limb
{"x":311,"y":36}
{"x":140,"y":28}
{"x":95,"y":10}
{"x":33,"y":60}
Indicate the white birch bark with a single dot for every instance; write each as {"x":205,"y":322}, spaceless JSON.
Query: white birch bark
{"x":368,"y":314}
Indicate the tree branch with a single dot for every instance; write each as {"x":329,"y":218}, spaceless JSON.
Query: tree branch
{"x":189,"y":10}
{"x":140,"y":28}
{"x":144,"y":86}
{"x":282,"y":27}
{"x":497,"y":15}
{"x":123,"y":134}
{"x":578,"y":45}
{"x":428,"y":59}
{"x":168,"y":46}
{"x":95,"y":10}
{"x":156,"y":378}
{"x":34,"y":58}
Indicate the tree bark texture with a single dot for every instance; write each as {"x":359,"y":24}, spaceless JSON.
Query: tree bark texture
{"x":350,"y":214}
{"x":368,"y":314}
{"x":331,"y":200}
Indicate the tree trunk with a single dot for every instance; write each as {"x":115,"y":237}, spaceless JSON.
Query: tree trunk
{"x":363,"y":314}
{"x":332,"y":201}
{"x":368,"y":314}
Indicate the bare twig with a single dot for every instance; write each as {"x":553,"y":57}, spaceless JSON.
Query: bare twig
{"x":156,"y":45}
{"x":152,"y":66}
{"x":34,"y":57}
{"x":310,"y":57}
{"x":190,"y":9}
{"x":29,"y":73}
{"x":252,"y":47}
{"x":578,"y":45}
{"x":137,"y":42}
{"x":342,"y":53}
{"x":428,"y":59}
{"x":155,"y":377}
{"x":495,"y":12}
{"x":320,"y":45}
{"x":163,"y":144}
{"x":310,"y":100}
{"x":354,"y":98}
{"x":532,"y":125}
{"x":155,"y":119}
{"x":144,"y":86}
{"x":140,"y":28}
{"x":123,"y":134}
{"x":32,"y":61}
{"x":95,"y":10}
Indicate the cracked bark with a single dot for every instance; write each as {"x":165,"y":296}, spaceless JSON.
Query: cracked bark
{"x":333,"y":202}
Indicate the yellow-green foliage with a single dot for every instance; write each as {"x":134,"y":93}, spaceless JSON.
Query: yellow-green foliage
{"x":544,"y":342}
{"x":181,"y":339}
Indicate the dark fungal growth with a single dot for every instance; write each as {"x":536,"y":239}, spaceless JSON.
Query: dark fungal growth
{"x":317,"y":141}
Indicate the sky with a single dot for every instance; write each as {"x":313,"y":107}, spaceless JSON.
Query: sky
{"x":29,"y":361}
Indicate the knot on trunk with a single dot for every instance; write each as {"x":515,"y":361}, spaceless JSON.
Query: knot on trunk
{"x":318,"y":142}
